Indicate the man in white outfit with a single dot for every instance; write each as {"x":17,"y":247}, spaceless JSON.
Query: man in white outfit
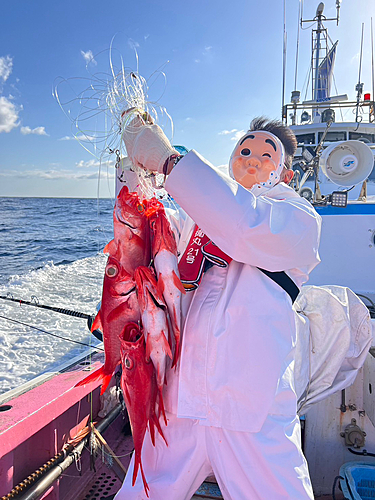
{"x":231,"y":404}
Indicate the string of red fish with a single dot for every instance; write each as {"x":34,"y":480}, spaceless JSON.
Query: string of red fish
{"x":140,"y":312}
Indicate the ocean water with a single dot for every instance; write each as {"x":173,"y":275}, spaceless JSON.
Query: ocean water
{"x":51,"y":249}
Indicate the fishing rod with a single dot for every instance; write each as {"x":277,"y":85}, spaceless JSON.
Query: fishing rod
{"x":34,"y":302}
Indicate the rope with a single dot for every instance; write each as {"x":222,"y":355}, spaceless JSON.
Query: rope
{"x":49,"y":333}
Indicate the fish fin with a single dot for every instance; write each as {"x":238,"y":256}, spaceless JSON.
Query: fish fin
{"x":97,"y":323}
{"x":106,"y":381}
{"x":145,"y":485}
{"x":158,"y":426}
{"x":118,"y":312}
{"x":100,"y":374}
{"x":177,"y":282}
{"x":151,"y":425}
{"x":148,"y":347}
{"x":176,"y":339}
{"x":160,"y":287}
{"x":177,"y":353}
{"x":166,"y":346}
{"x":138,"y":465}
{"x":110,"y":247}
{"x":161,"y":408}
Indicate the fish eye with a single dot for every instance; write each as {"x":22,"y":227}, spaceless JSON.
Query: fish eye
{"x":267,"y":154}
{"x":245,"y":152}
{"x":140,"y":208}
{"x":111,"y":270}
{"x":129,"y":363}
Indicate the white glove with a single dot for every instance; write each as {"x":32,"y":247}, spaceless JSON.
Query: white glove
{"x":147,"y":146}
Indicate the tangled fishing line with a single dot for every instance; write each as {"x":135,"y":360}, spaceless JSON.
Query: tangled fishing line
{"x":106,"y":105}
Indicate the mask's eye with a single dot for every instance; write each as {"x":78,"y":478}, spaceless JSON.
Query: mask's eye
{"x":266,"y":154}
{"x":140,"y":208}
{"x":128,"y":363}
{"x":111,"y":270}
{"x":246,"y":152}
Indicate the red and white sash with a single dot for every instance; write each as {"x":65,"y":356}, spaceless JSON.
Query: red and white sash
{"x":192,"y":263}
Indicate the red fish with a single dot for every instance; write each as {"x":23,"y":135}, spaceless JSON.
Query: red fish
{"x":140,"y":392}
{"x":155,"y":325}
{"x":119,"y":307}
{"x":164,"y":252}
{"x":131,"y":242}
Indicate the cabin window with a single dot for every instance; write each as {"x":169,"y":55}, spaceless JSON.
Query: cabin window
{"x":360,"y":136}
{"x":305,"y":138}
{"x":333,"y":136}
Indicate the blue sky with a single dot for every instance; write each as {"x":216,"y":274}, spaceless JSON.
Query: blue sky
{"x":222,"y":61}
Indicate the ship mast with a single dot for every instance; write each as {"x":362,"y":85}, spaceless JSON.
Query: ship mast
{"x":319,"y":53}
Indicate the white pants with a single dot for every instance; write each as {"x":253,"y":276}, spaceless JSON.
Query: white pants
{"x":268,"y":465}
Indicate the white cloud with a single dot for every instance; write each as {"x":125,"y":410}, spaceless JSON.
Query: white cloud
{"x":226,"y":132}
{"x":206,"y":53}
{"x":34,"y":131}
{"x":8,"y":115}
{"x":88,"y":57}
{"x":57,"y":175}
{"x":6,"y":65}
{"x":94,"y":163}
{"x":236,"y":134}
{"x":78,"y":138}
{"x":88,"y":164}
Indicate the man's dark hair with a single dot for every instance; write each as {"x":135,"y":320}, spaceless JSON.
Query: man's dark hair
{"x":281,"y":131}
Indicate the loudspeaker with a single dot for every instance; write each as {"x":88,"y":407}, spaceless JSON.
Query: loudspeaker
{"x":347,"y":163}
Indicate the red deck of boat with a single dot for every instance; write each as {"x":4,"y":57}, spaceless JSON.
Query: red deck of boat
{"x":39,"y":423}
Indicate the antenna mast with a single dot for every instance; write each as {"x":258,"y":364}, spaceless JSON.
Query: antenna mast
{"x":359,"y":86}
{"x":319,"y":47}
{"x":284,"y":62}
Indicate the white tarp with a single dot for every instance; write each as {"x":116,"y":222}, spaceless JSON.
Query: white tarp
{"x":334,"y":336}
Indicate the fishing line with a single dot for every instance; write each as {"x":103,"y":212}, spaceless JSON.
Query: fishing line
{"x":49,"y":333}
{"x":105,"y":98}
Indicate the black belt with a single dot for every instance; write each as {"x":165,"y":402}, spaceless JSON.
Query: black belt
{"x":283,"y":280}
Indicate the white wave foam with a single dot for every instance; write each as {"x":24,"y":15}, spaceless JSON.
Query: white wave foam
{"x":25,"y":352}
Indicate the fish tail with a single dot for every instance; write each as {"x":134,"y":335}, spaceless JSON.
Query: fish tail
{"x":156,"y":423}
{"x":99,"y":374}
{"x":151,"y":425}
{"x":137,"y":466}
{"x":161,"y":407}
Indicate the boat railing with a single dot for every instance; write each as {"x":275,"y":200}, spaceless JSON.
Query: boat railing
{"x":290,"y":111}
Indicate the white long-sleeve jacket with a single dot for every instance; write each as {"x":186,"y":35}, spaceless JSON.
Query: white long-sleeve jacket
{"x":236,"y":364}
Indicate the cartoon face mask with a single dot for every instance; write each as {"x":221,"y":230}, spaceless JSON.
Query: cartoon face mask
{"x":257,"y":161}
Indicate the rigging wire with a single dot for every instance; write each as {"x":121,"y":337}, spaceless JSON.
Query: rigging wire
{"x":359,"y":85}
{"x":284,"y":61}
{"x":372,"y":62}
{"x":297,"y":45}
{"x":49,"y":333}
